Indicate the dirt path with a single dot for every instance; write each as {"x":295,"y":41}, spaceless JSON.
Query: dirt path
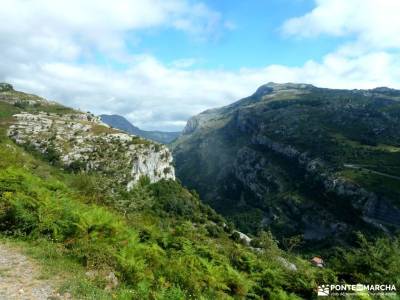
{"x":351,"y":166}
{"x":20,"y":277}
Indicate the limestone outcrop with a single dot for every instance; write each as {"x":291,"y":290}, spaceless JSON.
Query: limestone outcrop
{"x":81,"y":141}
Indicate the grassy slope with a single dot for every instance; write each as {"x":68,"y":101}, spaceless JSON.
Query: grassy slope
{"x":159,"y":240}
{"x":337,"y":126}
{"x":169,"y":246}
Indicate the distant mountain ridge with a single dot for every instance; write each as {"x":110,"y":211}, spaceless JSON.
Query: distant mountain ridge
{"x":104,"y":205}
{"x":122,"y":123}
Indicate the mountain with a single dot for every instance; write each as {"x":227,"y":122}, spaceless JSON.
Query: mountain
{"x":121,"y":123}
{"x":100,"y":212}
{"x":299,"y":160}
{"x":80,"y":141}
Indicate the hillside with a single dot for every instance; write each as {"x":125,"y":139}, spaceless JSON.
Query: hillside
{"x":299,"y":160}
{"x":121,"y":123}
{"x":151,"y":239}
{"x":97,"y":232}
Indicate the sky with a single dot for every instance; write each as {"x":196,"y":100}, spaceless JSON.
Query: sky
{"x":159,"y":62}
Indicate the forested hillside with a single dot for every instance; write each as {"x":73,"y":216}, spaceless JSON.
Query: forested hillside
{"x":304,"y":162}
{"x":112,"y":235}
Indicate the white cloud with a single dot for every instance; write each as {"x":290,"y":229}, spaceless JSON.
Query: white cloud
{"x":43,"y":43}
{"x":184,"y":63}
{"x":374,"y":23}
{"x":370,"y":53}
{"x":68,"y":29}
{"x":156,"y":96}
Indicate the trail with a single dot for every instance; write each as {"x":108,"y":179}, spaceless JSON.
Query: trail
{"x":20,"y":277}
{"x":351,"y":166}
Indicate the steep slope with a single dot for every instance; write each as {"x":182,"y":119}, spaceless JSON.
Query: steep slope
{"x":121,"y":123}
{"x":299,"y":160}
{"x":156,"y":240}
{"x":78,"y":140}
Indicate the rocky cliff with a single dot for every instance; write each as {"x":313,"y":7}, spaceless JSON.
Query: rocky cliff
{"x":80,"y":141}
{"x":280,"y":159}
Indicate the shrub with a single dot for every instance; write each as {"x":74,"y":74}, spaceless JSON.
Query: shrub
{"x":168,"y":257}
{"x":76,"y":166}
{"x":376,"y":261}
{"x":21,"y":104}
{"x":52,"y":154}
{"x":173,"y":199}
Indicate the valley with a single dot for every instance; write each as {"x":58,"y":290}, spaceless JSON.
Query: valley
{"x":279,"y":160}
{"x":102,"y":212}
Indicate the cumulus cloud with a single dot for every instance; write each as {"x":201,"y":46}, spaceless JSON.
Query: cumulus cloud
{"x":370,"y":52}
{"x":69,"y":29}
{"x":50,"y":47}
{"x":47,"y":46}
{"x":154,"y":95}
{"x":374,"y":23}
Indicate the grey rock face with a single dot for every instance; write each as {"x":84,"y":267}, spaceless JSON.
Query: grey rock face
{"x":250,"y":167}
{"x":288,"y":265}
{"x":277,"y":160}
{"x":244,"y":237}
{"x":191,"y":125}
{"x":371,"y":207}
{"x":81,"y":140}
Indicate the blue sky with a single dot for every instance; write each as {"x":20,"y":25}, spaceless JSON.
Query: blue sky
{"x":159,"y":62}
{"x":255,"y":39}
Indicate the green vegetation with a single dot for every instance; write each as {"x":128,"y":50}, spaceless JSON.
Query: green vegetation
{"x":56,"y":265}
{"x":382,"y":185}
{"x":160,"y":245}
{"x":369,"y":261}
{"x":98,"y":129}
{"x":299,"y":160}
{"x":158,"y":239}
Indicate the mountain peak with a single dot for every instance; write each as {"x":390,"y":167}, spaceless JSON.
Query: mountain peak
{"x":275,"y":87}
{"x":285,"y":138}
{"x":5,"y":87}
{"x":289,"y":85}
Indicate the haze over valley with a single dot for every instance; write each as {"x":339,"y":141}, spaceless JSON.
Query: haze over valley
{"x":186,"y":149}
